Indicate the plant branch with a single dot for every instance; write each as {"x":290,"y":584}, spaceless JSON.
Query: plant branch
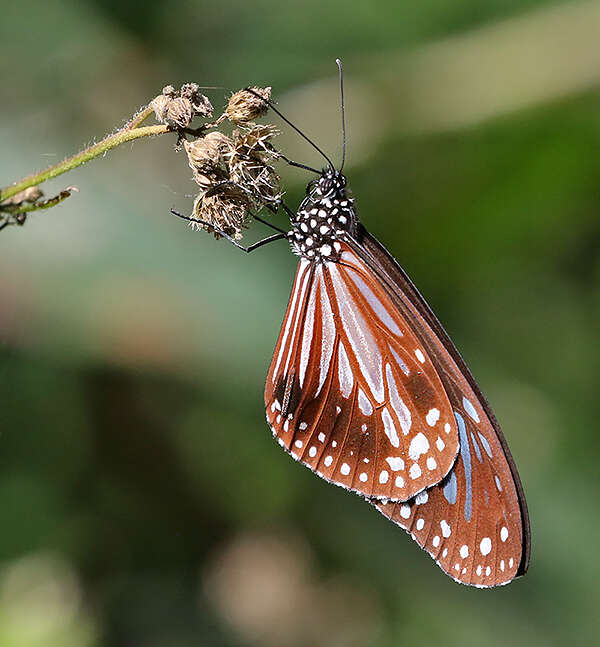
{"x":128,"y":133}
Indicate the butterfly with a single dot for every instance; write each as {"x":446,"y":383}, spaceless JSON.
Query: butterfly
{"x":367,"y":390}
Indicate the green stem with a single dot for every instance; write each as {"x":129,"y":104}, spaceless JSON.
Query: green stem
{"x":128,"y":133}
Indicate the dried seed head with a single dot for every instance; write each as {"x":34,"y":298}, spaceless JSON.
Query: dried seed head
{"x":207,"y":158}
{"x":200,"y":104}
{"x":225,"y":207}
{"x":160,"y":104}
{"x":245,"y":106}
{"x":250,"y":163}
{"x":31,"y":194}
{"x":180,"y":112}
{"x":210,"y":150}
{"x":177,"y":108}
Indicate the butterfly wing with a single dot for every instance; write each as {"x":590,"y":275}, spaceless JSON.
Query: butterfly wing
{"x":351,"y":391}
{"x":475,"y":523}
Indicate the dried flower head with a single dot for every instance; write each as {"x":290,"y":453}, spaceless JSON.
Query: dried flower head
{"x":207,"y":157}
{"x":226,"y":207}
{"x":250,"y":166}
{"x":245,"y":106}
{"x":180,"y":112}
{"x":201,"y":105}
{"x":177,"y":108}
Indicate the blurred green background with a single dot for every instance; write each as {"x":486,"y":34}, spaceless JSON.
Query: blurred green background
{"x":142,"y":499}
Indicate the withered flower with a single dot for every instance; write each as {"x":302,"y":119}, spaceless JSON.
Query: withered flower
{"x":179,"y":112}
{"x":225,"y":206}
{"x":177,"y":108}
{"x":250,"y":166}
{"x":207,"y":157}
{"x":201,"y":105}
{"x":245,"y":106}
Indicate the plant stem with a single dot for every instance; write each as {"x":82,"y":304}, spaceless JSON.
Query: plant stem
{"x":128,"y":133}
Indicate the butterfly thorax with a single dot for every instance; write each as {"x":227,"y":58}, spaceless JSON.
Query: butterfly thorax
{"x":324,"y":217}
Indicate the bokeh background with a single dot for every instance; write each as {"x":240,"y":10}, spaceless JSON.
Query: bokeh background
{"x":142,"y":499}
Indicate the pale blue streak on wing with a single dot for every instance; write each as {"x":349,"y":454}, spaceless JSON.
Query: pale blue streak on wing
{"x":450,"y":489}
{"x":465,"y":452}
{"x":486,"y":445}
{"x":476,"y":447}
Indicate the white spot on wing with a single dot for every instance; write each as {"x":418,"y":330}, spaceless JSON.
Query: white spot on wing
{"x":307,"y":335}
{"x":400,"y":409}
{"x":415,"y":471}
{"x":504,"y":533}
{"x":328,"y":336}
{"x":485,"y":546}
{"x":418,"y":445}
{"x":384,"y":477}
{"x":345,"y":469}
{"x":405,"y":511}
{"x":446,"y":530}
{"x":344,"y":372}
{"x":364,"y":403}
{"x":422,"y":498}
{"x":419,"y":355}
{"x":389,"y":427}
{"x":395,"y":462}
{"x":432,"y":417}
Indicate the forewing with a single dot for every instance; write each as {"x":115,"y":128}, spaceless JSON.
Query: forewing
{"x":351,"y":391}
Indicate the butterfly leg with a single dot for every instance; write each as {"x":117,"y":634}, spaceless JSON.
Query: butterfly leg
{"x":217,"y":230}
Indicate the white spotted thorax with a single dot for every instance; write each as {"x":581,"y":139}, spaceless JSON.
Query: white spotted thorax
{"x":324,"y":216}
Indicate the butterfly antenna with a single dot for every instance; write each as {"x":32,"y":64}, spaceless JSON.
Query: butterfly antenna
{"x":289,"y":123}
{"x":339,"y":64}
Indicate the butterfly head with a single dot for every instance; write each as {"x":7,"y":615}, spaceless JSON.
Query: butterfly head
{"x":324,"y":217}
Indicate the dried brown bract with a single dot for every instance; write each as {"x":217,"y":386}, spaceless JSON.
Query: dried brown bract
{"x":225,"y":206}
{"x":245,"y":106}
{"x":207,"y":158}
{"x":250,"y":163}
{"x":177,"y":108}
{"x":201,"y":105}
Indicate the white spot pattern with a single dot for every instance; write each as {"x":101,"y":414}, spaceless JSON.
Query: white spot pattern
{"x":395,"y":462}
{"x":432,"y":417}
{"x":418,"y":445}
{"x":389,"y":427}
{"x":485,"y":546}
